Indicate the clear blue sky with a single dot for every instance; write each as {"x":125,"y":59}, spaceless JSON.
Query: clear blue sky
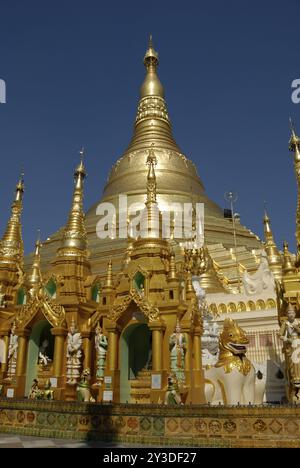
{"x":73,"y":70}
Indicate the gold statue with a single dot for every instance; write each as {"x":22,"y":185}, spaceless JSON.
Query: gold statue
{"x":173,"y":396}
{"x":34,"y":391}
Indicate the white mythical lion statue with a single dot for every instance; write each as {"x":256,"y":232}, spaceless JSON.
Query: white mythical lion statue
{"x":232,"y":380}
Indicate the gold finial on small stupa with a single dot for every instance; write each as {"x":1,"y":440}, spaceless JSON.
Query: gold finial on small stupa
{"x":273,"y":255}
{"x":109,"y":275}
{"x":20,"y":188}
{"x":288,"y":265}
{"x":81,"y":169}
{"x":11,"y":245}
{"x":34,"y":277}
{"x":294,"y":142}
{"x":172,"y":270}
{"x":189,"y":283}
{"x":74,"y":241}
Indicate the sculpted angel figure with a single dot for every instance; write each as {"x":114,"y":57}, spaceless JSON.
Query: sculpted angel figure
{"x":12,"y":352}
{"x":101,"y":344}
{"x":74,"y":354}
{"x":289,"y":333}
{"x":177,"y":347}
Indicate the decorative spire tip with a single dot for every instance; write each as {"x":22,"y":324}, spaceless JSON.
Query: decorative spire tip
{"x":150,"y":41}
{"x":292,"y":125}
{"x":81,"y":169}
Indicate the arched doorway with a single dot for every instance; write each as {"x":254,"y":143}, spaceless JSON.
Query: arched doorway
{"x":135,"y":349}
{"x":39,"y":334}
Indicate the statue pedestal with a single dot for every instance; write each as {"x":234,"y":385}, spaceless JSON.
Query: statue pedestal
{"x":70,"y":393}
{"x":110,"y":389}
{"x":157,"y":395}
{"x":44,"y":373}
{"x":9,"y":390}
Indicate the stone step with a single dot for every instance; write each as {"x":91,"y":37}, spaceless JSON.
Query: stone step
{"x":141,"y":386}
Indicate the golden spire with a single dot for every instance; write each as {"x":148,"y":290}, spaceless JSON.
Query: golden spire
{"x":151,"y":85}
{"x":294,"y":143}
{"x":209,"y":278}
{"x":172,"y":271}
{"x":294,"y":146}
{"x":287,"y":266}
{"x":189,"y":285}
{"x":152,"y":124}
{"x":151,"y":178}
{"x":11,"y":245}
{"x":109,"y":276}
{"x":34,"y":277}
{"x":151,"y":220}
{"x":74,"y":240}
{"x":274,"y":258}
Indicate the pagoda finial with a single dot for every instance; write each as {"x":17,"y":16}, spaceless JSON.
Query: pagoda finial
{"x":151,"y":85}
{"x":274,"y":258}
{"x":150,"y":42}
{"x":151,"y":56}
{"x":74,"y":241}
{"x":109,"y":276}
{"x":11,"y":246}
{"x":152,"y":123}
{"x":172,"y":270}
{"x":294,"y":143}
{"x":34,"y":277}
{"x":266,"y":217}
{"x":292,"y":126}
{"x":80,"y":168}
{"x":80,"y":173}
{"x":266,"y":220}
{"x":287,"y":266}
{"x":20,"y":188}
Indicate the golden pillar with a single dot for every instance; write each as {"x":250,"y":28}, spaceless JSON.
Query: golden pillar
{"x":157,"y":329}
{"x":5,"y":337}
{"x":22,"y":351}
{"x":87,"y":349}
{"x":113,"y":342}
{"x":197,"y":349}
{"x":59,"y":333}
{"x":188,"y":354}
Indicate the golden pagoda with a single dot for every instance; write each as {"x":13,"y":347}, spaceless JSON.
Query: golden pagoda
{"x":123,"y":310}
{"x":177,"y":182}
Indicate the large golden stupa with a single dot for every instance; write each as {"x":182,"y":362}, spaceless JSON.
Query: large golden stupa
{"x":111,"y":307}
{"x":177,"y":182}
